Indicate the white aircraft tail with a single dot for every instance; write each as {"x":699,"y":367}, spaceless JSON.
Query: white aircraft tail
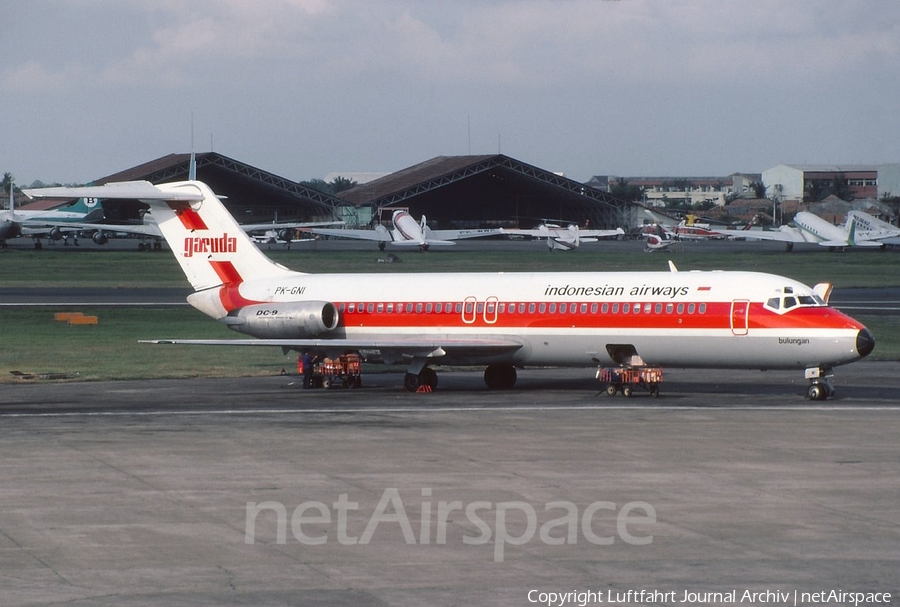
{"x":211,"y":247}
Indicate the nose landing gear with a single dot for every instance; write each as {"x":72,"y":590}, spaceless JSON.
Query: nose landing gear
{"x":820,"y":386}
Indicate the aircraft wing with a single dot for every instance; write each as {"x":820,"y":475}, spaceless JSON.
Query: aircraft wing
{"x":786,"y":234}
{"x":599,"y":233}
{"x":396,"y":348}
{"x":516,"y":232}
{"x":291,"y":225}
{"x":457,"y":234}
{"x":856,"y":243}
{"x":428,"y":241}
{"x":141,"y":229}
{"x":381,"y":235}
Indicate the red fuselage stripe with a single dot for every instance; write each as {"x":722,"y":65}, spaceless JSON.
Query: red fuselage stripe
{"x":578,"y":315}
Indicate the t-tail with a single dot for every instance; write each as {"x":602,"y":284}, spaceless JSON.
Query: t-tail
{"x":214,"y":252}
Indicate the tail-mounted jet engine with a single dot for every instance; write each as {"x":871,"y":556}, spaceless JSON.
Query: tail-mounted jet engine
{"x":285,"y":320}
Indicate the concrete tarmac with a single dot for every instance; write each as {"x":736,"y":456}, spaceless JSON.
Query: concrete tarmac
{"x":169,"y":492}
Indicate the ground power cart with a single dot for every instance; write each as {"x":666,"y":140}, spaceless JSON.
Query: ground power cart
{"x":626,"y":379}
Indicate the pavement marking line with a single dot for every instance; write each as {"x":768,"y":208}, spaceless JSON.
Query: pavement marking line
{"x":763,"y":409}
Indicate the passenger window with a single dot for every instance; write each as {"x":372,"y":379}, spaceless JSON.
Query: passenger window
{"x":521,"y":308}
{"x":691,"y":308}
{"x":637,"y":308}
{"x":626,"y":308}
{"x":562,"y":308}
{"x":584,"y":308}
{"x":380,"y":308}
{"x":604,"y":309}
{"x":428,"y":308}
{"x":594,"y":308}
{"x":702,"y":308}
{"x":531,"y":307}
{"x":458,"y":308}
{"x":615,"y":308}
{"x":409,"y":308}
{"x":543,"y":308}
{"x":438,"y":307}
{"x":670,"y":308}
{"x":370,"y":308}
{"x":680,"y":308}
{"x":351,"y":308}
{"x":657,"y":308}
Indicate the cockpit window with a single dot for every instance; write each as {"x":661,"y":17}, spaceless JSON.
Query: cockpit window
{"x":789,"y":302}
{"x":774,"y":303}
{"x":806,"y":300}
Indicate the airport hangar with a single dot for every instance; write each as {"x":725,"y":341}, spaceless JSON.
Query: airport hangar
{"x":451,"y":191}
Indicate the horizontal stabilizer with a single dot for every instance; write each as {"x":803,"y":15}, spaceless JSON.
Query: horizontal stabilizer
{"x":128,"y":190}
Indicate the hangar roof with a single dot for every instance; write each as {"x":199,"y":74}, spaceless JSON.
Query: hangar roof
{"x":454,"y":191}
{"x":249,"y":192}
{"x":469,"y":190}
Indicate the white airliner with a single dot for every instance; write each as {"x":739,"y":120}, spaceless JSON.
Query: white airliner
{"x":501,"y":320}
{"x":15,"y":222}
{"x":563,"y":238}
{"x":812,"y":229}
{"x":407,"y":232}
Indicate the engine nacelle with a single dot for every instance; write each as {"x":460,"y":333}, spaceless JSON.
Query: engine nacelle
{"x":55,"y":234}
{"x":286,"y":235}
{"x":289,"y":320}
{"x":99,"y":237}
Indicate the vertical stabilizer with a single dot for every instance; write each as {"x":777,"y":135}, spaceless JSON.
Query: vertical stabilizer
{"x":208,"y":243}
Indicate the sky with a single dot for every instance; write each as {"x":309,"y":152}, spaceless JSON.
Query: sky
{"x":306,"y":88}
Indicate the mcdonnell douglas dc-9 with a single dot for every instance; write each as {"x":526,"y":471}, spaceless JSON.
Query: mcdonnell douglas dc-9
{"x":742,"y":320}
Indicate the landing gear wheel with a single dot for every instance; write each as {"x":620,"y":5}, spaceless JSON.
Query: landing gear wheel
{"x":817,"y":392}
{"x":426,"y":378}
{"x":500,"y":377}
{"x":411,"y":382}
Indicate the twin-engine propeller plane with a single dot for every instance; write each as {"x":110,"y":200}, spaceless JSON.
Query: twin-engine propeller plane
{"x":563,"y":238}
{"x":502,"y":320}
{"x":406,"y":232}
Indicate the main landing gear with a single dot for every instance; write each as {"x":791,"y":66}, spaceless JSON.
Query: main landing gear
{"x":497,"y":377}
{"x":820,"y":386}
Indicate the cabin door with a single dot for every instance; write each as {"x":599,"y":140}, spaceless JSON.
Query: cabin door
{"x":740,"y":312}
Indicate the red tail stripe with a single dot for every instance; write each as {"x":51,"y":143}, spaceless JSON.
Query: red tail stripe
{"x":226,"y":272}
{"x":188,"y":216}
{"x":229,"y":293}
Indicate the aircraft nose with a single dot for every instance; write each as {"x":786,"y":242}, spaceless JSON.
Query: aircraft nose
{"x":865,"y":342}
